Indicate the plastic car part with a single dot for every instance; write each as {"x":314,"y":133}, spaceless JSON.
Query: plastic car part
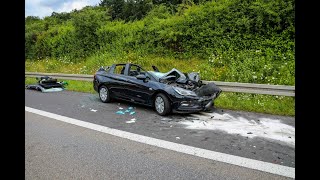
{"x":155,"y":68}
{"x":208,"y":90}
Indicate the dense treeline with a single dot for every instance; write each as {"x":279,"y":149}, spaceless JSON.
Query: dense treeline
{"x":239,"y":35}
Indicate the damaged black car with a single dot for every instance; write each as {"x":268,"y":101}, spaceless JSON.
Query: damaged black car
{"x":166,"y":92}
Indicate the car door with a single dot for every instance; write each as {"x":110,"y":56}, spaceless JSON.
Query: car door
{"x":139,"y":91}
{"x":119,"y":82}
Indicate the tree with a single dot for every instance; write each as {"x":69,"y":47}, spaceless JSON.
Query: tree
{"x":86,"y":22}
{"x":115,"y":7}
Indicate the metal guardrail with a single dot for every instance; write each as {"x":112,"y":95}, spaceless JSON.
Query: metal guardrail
{"x":280,"y":90}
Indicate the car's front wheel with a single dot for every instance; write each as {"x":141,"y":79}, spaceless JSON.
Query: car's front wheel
{"x":104,"y":94}
{"x":162,"y":104}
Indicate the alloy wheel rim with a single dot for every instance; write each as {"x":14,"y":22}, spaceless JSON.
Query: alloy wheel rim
{"x":159,"y":103}
{"x":103,"y":94}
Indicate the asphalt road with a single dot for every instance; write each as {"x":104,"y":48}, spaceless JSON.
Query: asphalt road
{"x":148,"y":123}
{"x":58,"y":150}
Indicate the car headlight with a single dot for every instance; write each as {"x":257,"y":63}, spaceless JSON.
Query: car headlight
{"x":183,"y":92}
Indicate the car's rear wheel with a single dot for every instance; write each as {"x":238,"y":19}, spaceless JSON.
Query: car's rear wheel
{"x":104,"y":94}
{"x":162,"y":104}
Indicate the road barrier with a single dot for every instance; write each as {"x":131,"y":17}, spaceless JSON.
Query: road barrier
{"x":280,"y":90}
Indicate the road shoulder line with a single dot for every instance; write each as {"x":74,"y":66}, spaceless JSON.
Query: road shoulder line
{"x":216,"y":156}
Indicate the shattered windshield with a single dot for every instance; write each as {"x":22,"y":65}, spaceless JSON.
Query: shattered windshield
{"x":172,"y":72}
{"x":156,"y":75}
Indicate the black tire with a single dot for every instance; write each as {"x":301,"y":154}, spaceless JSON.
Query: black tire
{"x":104,"y":94}
{"x":166,"y":107}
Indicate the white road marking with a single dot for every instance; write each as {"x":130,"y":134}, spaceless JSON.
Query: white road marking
{"x":216,"y":156}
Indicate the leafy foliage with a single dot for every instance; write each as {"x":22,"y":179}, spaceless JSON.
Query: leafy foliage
{"x":236,"y":40}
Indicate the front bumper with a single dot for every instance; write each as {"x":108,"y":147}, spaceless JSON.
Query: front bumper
{"x":183,"y":104}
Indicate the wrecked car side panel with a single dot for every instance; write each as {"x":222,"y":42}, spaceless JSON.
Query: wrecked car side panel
{"x":116,"y":83}
{"x":143,"y":91}
{"x":139,"y":90}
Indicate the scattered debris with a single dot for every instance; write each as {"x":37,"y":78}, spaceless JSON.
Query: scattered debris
{"x":131,"y":121}
{"x":177,"y":137}
{"x":120,"y":112}
{"x":192,"y":118}
{"x":171,"y":126}
{"x":47,"y":84}
{"x":254,"y":146}
{"x":133,"y":112}
{"x":125,"y":111}
{"x":249,"y":133}
{"x":82,"y":106}
{"x":205,"y":139}
{"x":253,"y":122}
{"x":212,"y":117}
{"x":93,"y":110}
{"x":166,"y":119}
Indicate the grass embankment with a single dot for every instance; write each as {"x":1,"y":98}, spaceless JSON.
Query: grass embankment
{"x":279,"y":105}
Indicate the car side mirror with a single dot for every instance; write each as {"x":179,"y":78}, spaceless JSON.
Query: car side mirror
{"x":141,"y":77}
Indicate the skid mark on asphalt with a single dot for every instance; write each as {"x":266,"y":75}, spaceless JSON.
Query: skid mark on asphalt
{"x":268,"y":128}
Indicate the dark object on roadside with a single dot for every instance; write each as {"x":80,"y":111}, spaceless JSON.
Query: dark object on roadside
{"x":172,"y":91}
{"x":249,"y":133}
{"x":47,"y":84}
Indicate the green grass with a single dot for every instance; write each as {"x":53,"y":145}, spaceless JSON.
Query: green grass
{"x":249,"y":67}
{"x":80,"y":86}
{"x":279,"y":105}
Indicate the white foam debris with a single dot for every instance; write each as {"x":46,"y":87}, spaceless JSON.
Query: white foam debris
{"x":166,"y":119}
{"x":265,"y":127}
{"x":93,"y":110}
{"x":131,"y":121}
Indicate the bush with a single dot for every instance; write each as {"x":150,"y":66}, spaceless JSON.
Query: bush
{"x":240,"y":40}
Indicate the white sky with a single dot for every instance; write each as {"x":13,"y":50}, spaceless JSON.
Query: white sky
{"x":42,"y":8}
